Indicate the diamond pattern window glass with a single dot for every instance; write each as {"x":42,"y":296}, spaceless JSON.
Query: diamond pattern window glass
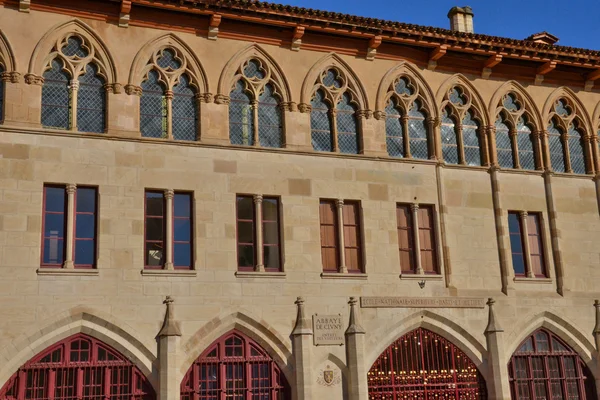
{"x":525,"y":145}
{"x":503,"y":144}
{"x":91,"y":101}
{"x":74,"y":48}
{"x":320,"y":124}
{"x":254,"y":70}
{"x":269,"y":119}
{"x":346,"y":126}
{"x":241,"y":116}
{"x":56,"y":100}
{"x":576,"y":152}
{"x":471,"y":142}
{"x":168,"y":60}
{"x":417,"y":132}
{"x":184,"y":110}
{"x":555,"y":144}
{"x":449,"y":138}
{"x":153,"y":108}
{"x":394,"y":131}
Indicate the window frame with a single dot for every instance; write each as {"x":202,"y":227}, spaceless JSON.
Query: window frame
{"x":164,"y":229}
{"x":336,"y":246}
{"x":527,"y":254}
{"x":279,"y":233}
{"x":360,"y":240}
{"x":95,"y":238}
{"x":192,"y":235}
{"x":65,"y":221}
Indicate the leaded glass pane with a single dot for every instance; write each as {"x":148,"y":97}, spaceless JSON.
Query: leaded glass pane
{"x":91,"y":101}
{"x":449,"y":139}
{"x":241,"y":117}
{"x":74,"y":48}
{"x":269,"y":119}
{"x":510,"y":103}
{"x":346,"y":126}
{"x":320,"y":124}
{"x":403,"y":87}
{"x":184,"y":110}
{"x":471,"y":141}
{"x":457,"y":97}
{"x":167,"y":60}
{"x":253,"y":70}
{"x":555,"y":144}
{"x":153,"y":108}
{"x":393,"y":131}
{"x":417,"y":132}
{"x":503,"y":145}
{"x":576,"y":146}
{"x":56,"y":97}
{"x":562,"y":108}
{"x":331,"y":79}
{"x":525,"y":146}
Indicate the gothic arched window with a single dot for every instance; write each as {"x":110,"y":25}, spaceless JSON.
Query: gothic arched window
{"x":407,"y":132}
{"x":79,"y":367}
{"x":169,"y":98}
{"x":234,"y":367}
{"x":566,"y":139}
{"x":545,"y":367}
{"x":461,"y":142}
{"x":255,"y":107}
{"x":334,"y":124}
{"x":74,"y":90}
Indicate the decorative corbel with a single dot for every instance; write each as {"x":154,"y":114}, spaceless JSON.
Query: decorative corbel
{"x":304,"y":108}
{"x":170,"y":327}
{"x":24,"y":5}
{"x":435,"y":55}
{"x":591,"y":78}
{"x":133,"y":90}
{"x":33,"y":79}
{"x":492,"y":326}
{"x":354,"y":326}
{"x":213,"y":26}
{"x":12,"y":77}
{"x":374,"y":43}
{"x":543,"y":70}
{"x":490,"y":63}
{"x":124,"y":14}
{"x":297,"y":38}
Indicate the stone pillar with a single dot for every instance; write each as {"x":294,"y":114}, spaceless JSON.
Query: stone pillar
{"x":302,"y":337}
{"x":526,"y":247}
{"x":168,"y":344}
{"x":355,"y":356}
{"x":497,"y":383}
{"x":169,"y":97}
{"x":414,"y":208}
{"x":169,"y":231}
{"x":502,"y":235}
{"x":334,"y":135}
{"x":342,"y":269}
{"x":258,"y":232}
{"x":74,"y":90}
{"x":554,"y":234}
{"x":70,"y":231}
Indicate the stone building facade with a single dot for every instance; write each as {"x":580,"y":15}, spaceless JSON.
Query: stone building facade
{"x":383,"y":138}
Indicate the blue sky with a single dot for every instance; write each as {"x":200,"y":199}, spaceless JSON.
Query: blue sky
{"x":575,"y":22}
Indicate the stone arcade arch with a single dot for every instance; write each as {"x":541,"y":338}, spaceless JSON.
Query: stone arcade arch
{"x":424,"y":365}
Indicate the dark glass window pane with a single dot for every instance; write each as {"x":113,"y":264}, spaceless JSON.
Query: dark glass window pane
{"x":271,"y":257}
{"x":154,"y":204}
{"x":86,"y":200}
{"x":518,"y":264}
{"x":245,"y":256}
{"x":154,"y":254}
{"x":53,"y":251}
{"x":182,"y":230}
{"x":245,"y":232}
{"x":245,"y":207}
{"x":514,"y":224}
{"x":154,"y":229}
{"x":84,"y":252}
{"x":54,"y":225}
{"x":56,"y":199}
{"x":270,"y":209}
{"x":182,"y":255}
{"x":183,"y":205}
{"x":85,"y":226}
{"x":270,"y":233}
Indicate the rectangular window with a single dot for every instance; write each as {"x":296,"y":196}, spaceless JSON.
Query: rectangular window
{"x":85,"y":227}
{"x":182,"y":230}
{"x":246,"y":233}
{"x":427,"y":240}
{"x":536,"y":248}
{"x":352,"y":236}
{"x":154,"y":239}
{"x":271,"y":234}
{"x":405,"y":239}
{"x":329,"y":236}
{"x":516,"y":243}
{"x":55,"y":221}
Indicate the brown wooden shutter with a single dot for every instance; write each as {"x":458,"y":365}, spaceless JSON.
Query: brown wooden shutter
{"x":535,"y":245}
{"x":352,"y":236}
{"x":405,"y":238}
{"x":329,"y":237}
{"x":427,"y":240}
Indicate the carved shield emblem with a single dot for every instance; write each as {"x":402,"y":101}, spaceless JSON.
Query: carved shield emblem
{"x":328,"y":377}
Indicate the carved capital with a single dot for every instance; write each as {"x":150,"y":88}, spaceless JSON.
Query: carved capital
{"x":414,"y":207}
{"x":169,"y":194}
{"x":33,"y":79}
{"x":289,"y":106}
{"x":366,"y":114}
{"x":71,"y":188}
{"x":74,"y":85}
{"x":12,"y":77}
{"x":205,"y":97}
{"x":304,"y":108}
{"x":222,"y":99}
{"x":258,"y":199}
{"x":379,"y":115}
{"x":133,"y":90}
{"x":169,"y":94}
{"x":115,"y":88}
{"x":523,"y":214}
{"x":339,"y":203}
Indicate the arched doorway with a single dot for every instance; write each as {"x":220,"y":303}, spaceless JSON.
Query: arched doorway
{"x":425,"y":366}
{"x":237,"y":368}
{"x":78,"y":367}
{"x":545,"y":367}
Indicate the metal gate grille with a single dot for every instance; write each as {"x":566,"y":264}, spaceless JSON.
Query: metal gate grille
{"x":423,"y":365}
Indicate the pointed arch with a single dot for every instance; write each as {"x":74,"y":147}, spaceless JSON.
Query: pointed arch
{"x":7,"y":56}
{"x":230,"y":74}
{"x":261,"y":332}
{"x":529,"y":105}
{"x":332,"y":60}
{"x":104,"y":327}
{"x":146,"y":58}
{"x":565,"y":92}
{"x":48,"y":48}
{"x":473,"y":94}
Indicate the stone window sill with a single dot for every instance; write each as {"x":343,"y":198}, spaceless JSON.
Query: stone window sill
{"x":338,"y":275}
{"x":257,"y":274}
{"x":169,"y":272}
{"x":423,"y":277}
{"x":523,"y":279}
{"x":67,"y":272}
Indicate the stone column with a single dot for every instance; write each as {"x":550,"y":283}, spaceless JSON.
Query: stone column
{"x":302,"y":337}
{"x":168,"y":344}
{"x":432,"y":138}
{"x":333,"y":124}
{"x":169,"y":229}
{"x":355,"y":356}
{"x":414,"y":208}
{"x":69,"y":239}
{"x":169,"y":97}
{"x":340,"y":226}
{"x":255,"y":138}
{"x":74,"y":89}
{"x":461,"y":145}
{"x":526,"y":247}
{"x":554,"y":233}
{"x":498,"y":383}
{"x":258,"y":232}
{"x":406,"y":139}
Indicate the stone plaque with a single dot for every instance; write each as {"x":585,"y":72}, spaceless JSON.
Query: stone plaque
{"x":421,"y":302}
{"x":328,"y":330}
